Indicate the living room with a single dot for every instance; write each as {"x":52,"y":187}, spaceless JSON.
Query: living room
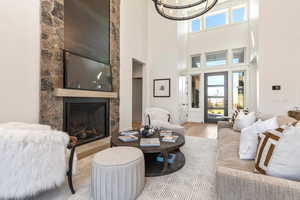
{"x":210,"y":112}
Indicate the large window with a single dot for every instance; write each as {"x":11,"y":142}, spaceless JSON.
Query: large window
{"x":196,"y":91}
{"x":196,"y":61}
{"x":220,"y":18}
{"x":238,"y":88}
{"x":239,"y":14}
{"x":238,"y":55}
{"x":216,"y":20}
{"x":216,"y":58}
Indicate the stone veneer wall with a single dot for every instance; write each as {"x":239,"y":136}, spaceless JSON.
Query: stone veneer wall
{"x":52,"y":43}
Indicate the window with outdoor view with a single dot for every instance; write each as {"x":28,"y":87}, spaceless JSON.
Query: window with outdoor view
{"x":238,"y":79}
{"x":216,"y":58}
{"x":196,"y":25}
{"x":196,"y":61}
{"x":238,"y":55}
{"x":216,"y":20}
{"x":196,"y":91}
{"x":239,"y":14}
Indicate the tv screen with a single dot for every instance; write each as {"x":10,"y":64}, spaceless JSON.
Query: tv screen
{"x":84,"y":73}
{"x":87,"y":28}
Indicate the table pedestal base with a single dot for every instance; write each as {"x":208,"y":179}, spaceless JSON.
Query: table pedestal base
{"x":155,"y":168}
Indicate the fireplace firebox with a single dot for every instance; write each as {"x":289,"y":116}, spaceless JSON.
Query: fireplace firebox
{"x":86,"y":118}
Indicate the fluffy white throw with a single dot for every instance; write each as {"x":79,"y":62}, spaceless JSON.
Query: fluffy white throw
{"x":32,"y":159}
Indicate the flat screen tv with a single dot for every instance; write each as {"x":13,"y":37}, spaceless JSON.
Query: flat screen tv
{"x":87,"y":28}
{"x":86,"y":74}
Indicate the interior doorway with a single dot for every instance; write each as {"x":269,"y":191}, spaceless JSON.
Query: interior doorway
{"x":215,"y":96}
{"x":137,"y":93}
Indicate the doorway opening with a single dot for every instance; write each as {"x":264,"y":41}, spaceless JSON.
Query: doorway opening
{"x":215,"y":96}
{"x":137,"y":93}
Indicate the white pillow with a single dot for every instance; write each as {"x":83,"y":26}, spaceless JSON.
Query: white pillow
{"x":249,"y":137}
{"x":285,"y":159}
{"x":249,"y":141}
{"x":270,"y":124}
{"x":244,"y":121}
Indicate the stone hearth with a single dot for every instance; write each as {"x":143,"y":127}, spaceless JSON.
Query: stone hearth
{"x":52,"y":44}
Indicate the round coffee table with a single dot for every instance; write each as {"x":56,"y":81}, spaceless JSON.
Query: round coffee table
{"x":153,"y":167}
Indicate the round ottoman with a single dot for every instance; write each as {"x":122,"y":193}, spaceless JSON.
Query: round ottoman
{"x":118,"y":173}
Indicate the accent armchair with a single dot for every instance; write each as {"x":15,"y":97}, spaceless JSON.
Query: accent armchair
{"x":161,"y":119}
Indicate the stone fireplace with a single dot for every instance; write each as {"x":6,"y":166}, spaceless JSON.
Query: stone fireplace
{"x":86,"y":118}
{"x":52,"y":105}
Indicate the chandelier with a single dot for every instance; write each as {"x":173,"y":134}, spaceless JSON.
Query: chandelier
{"x":183,"y":9}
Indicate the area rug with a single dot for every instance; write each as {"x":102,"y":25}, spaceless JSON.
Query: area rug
{"x":195,"y":181}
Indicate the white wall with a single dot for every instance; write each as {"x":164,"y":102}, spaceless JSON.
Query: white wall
{"x":133,"y":45}
{"x":228,"y":37}
{"x":165,"y":56}
{"x":279,"y":64}
{"x":19,"y":60}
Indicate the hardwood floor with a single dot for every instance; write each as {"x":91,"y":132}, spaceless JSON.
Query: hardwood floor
{"x":201,"y":130}
{"x":192,"y":129}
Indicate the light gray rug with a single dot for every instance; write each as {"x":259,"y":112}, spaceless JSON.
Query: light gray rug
{"x":195,"y":181}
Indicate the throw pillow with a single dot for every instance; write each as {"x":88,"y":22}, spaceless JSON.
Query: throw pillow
{"x":249,"y":141}
{"x":278,"y":153}
{"x":235,"y":115}
{"x":244,"y":121}
{"x":249,"y":137}
{"x":270,"y":124}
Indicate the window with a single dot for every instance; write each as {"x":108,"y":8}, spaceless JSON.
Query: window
{"x":216,"y":20}
{"x":196,"y":61}
{"x":196,"y":25}
{"x":239,"y":14}
{"x":196,"y":91}
{"x":216,"y":58}
{"x":238,"y":55}
{"x":238,"y":84}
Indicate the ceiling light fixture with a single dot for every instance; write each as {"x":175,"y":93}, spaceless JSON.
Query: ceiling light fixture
{"x":180,"y":10}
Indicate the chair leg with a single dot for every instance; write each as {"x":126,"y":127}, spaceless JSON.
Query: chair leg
{"x":70,"y":171}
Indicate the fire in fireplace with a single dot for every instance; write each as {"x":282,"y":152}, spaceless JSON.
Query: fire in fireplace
{"x":86,"y":118}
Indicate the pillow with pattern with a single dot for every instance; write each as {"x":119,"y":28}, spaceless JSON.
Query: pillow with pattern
{"x":279,"y":152}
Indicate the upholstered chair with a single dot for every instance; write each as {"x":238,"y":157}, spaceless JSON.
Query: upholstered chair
{"x":161,"y":119}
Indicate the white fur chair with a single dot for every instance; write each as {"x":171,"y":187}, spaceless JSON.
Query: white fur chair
{"x":161,"y":119}
{"x":32,"y":159}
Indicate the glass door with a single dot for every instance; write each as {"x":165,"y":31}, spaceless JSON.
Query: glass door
{"x":216,"y":96}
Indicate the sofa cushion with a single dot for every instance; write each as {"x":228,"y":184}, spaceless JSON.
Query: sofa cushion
{"x":228,"y":151}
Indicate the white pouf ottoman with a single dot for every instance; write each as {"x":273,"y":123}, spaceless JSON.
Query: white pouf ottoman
{"x":118,"y":173}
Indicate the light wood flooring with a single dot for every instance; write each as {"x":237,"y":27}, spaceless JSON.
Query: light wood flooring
{"x":193,"y":129}
{"x":201,"y":130}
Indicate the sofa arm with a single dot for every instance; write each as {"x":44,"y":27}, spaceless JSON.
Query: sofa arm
{"x":235,"y":184}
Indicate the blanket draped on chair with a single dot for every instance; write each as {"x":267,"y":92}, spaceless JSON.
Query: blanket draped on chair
{"x":32,"y":159}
